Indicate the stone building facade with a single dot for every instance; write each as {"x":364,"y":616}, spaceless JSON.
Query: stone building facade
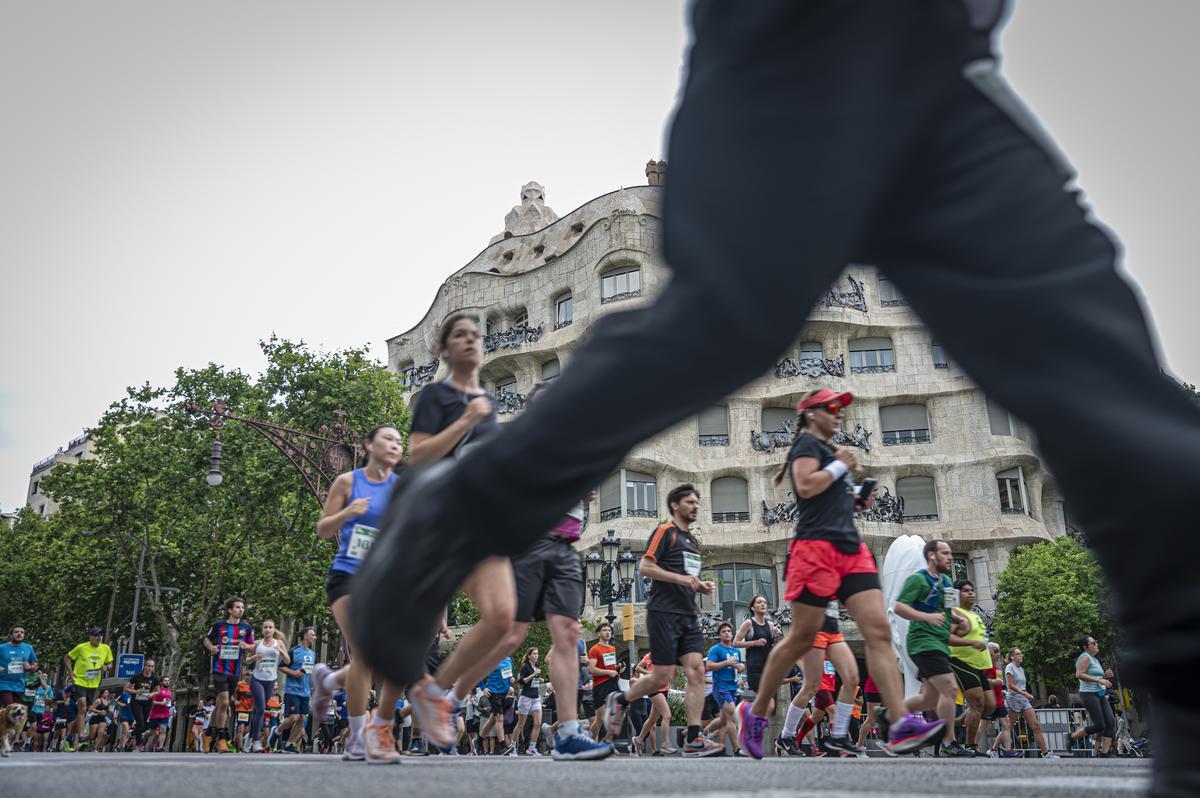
{"x":949,"y":463}
{"x":77,"y":449}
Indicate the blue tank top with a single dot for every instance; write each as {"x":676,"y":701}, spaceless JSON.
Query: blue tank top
{"x":357,"y":534}
{"x":1094,"y":670}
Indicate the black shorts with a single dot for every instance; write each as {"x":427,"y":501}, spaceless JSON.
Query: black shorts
{"x":752,"y":679}
{"x":337,"y":584}
{"x":672,"y":635}
{"x":499,"y":703}
{"x":710,"y":709}
{"x":549,"y":579}
{"x":85,"y":694}
{"x":222,"y":683}
{"x":968,"y":677}
{"x":931,"y":663}
{"x":601,"y":692}
{"x":872,"y":698}
{"x":587,"y":708}
{"x":295,"y":704}
{"x":1000,"y":712}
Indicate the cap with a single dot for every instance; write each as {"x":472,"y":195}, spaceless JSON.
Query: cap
{"x":824,"y":397}
{"x":95,"y":631}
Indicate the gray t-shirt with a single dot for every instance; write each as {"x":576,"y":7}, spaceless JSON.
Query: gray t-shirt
{"x":1018,"y":677}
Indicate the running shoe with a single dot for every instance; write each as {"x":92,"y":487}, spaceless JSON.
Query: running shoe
{"x":1051,"y":756}
{"x":289,"y":749}
{"x":320,"y":696}
{"x":991,"y":754}
{"x":750,"y":735}
{"x":356,"y":750}
{"x":786,"y":746}
{"x":222,"y":746}
{"x":1012,"y":754}
{"x":435,"y":713}
{"x":528,"y":752}
{"x":911,"y":733}
{"x":956,"y":749}
{"x":702,"y":746}
{"x":512,"y":750}
{"x":256,"y":747}
{"x":614,"y":715}
{"x":581,"y":747}
{"x":842,"y":745}
{"x":380,"y":745}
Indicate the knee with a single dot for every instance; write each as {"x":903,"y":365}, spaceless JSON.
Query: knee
{"x":497,"y":623}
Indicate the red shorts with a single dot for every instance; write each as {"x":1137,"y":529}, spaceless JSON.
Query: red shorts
{"x":825,"y":639}
{"x":824,"y":699}
{"x":819,"y":567}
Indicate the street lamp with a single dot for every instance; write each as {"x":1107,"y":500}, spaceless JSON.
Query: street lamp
{"x":214,"y":476}
{"x":610,"y":575}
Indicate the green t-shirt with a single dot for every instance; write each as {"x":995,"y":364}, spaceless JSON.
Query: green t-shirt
{"x":922,"y":593}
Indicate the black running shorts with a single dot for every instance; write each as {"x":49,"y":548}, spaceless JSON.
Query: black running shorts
{"x":601,"y":692}
{"x":968,"y":677}
{"x":337,"y":584}
{"x":931,"y":663}
{"x":549,"y":579}
{"x":672,"y":635}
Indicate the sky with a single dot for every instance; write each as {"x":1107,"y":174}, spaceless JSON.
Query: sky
{"x":181,"y":180}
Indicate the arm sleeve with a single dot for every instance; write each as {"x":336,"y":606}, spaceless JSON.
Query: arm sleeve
{"x":427,"y":413}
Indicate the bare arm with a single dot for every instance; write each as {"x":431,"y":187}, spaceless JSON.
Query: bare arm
{"x":810,"y":479}
{"x":913,"y":614}
{"x":338,"y":508}
{"x":651,"y":569}
{"x":739,"y":640}
{"x":426,"y":448}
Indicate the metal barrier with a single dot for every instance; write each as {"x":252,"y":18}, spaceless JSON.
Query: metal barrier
{"x":1057,"y":725}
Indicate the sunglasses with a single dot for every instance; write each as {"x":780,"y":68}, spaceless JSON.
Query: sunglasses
{"x":833,"y":408}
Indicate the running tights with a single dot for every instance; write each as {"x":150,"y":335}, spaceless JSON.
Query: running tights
{"x":1100,"y":713}
{"x":261,"y":690}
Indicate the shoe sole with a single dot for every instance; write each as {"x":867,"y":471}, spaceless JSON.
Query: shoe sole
{"x":914,"y":743}
{"x":612,"y":720}
{"x":371,"y":761}
{"x":423,"y":720}
{"x":702,"y":754}
{"x":585,"y":756}
{"x":743,"y":714}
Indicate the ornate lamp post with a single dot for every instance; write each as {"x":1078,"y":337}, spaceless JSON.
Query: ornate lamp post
{"x":610,"y":575}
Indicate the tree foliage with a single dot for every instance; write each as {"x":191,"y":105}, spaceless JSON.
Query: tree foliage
{"x":252,"y":536}
{"x":1049,"y":595}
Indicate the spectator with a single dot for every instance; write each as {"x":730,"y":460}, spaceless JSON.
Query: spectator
{"x":16,"y":659}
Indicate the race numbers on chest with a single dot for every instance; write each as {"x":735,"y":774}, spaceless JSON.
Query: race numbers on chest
{"x":361,"y":538}
{"x":691,"y":563}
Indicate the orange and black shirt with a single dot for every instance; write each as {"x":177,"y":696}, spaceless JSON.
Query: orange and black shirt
{"x":676,"y":551}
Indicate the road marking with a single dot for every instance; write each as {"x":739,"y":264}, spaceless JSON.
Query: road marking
{"x":1117,"y":783}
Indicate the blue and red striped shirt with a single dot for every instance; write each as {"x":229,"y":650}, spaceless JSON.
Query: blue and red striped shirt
{"x":228,"y":637}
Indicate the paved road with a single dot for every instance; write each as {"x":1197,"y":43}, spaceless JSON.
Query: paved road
{"x":213,"y":776}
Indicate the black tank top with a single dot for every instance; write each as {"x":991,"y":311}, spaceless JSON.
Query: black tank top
{"x":756,"y":656}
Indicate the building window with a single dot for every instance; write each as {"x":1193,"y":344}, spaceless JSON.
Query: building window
{"x":888,"y":295}
{"x":811,"y":350}
{"x":1013,"y":499}
{"x":939,"y":355}
{"x":489,"y":326}
{"x":564,"y":311}
{"x":714,"y":426}
{"x":919,"y":498}
{"x":34,"y":490}
{"x":999,"y":421}
{"x":506,"y":385}
{"x":42,"y":509}
{"x":737,"y":583}
{"x":550,"y":370}
{"x":963,"y":570}
{"x":904,"y":424}
{"x":521,"y":319}
{"x":640,"y":495}
{"x":730,"y":500}
{"x":621,"y":284}
{"x":610,"y":497}
{"x":871,"y":356}
{"x":776,"y":419}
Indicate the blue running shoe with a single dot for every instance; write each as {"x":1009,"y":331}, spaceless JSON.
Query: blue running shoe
{"x":581,"y":747}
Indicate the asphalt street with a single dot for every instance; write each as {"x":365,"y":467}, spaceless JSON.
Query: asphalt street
{"x":208,"y":775}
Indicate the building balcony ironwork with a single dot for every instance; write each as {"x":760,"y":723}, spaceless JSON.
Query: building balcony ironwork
{"x":892,"y":303}
{"x":782,"y":438}
{"x":509,"y":402}
{"x":637,"y":512}
{"x":715,"y":440}
{"x":919,"y":518}
{"x":608,"y":515}
{"x":561,"y":324}
{"x":414,"y":377}
{"x":1013,"y":511}
{"x":40,"y":464}
{"x":873,"y":369}
{"x":811,"y":367}
{"x":942,"y":365}
{"x":886,"y":508}
{"x":854,"y":299}
{"x":82,"y":439}
{"x":513,"y":337}
{"x":621,"y":296}
{"x":899,"y":437}
{"x":731,"y":518}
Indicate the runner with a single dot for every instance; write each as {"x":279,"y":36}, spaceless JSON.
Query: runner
{"x":17,"y":658}
{"x":66,"y":709}
{"x":99,"y":716}
{"x":162,"y":702}
{"x":660,"y":713}
{"x":498,"y":691}
{"x":86,"y":665}
{"x":225,"y":641}
{"x":926,"y":601}
{"x":529,"y":700}
{"x":827,"y":558}
{"x":269,"y":653}
{"x":1019,"y":699}
{"x":42,"y":704}
{"x":126,"y":722}
{"x":672,"y":561}
{"x":243,"y":708}
{"x":1002,"y":747}
{"x":352,"y":514}
{"x":969,"y":659}
{"x":606,"y":675}
{"x":871,"y":703}
{"x":757,"y":635}
{"x":725,"y":663}
{"x":297,"y":689}
{"x":140,"y":686}
{"x":1094,"y":684}
{"x":829,"y":657}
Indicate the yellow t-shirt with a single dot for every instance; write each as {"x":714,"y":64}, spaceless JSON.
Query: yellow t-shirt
{"x":89,"y":661}
{"x":979,"y":660}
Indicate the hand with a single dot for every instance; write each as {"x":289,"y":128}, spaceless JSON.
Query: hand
{"x":477,"y":410}
{"x":487,"y":693}
{"x":847,"y":457}
{"x":935,"y":619}
{"x":700,"y":586}
{"x":358,"y":507}
{"x":979,"y":645}
{"x":762,"y":641}
{"x":1105,"y":683}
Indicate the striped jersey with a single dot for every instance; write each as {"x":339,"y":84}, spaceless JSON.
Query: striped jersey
{"x":227,"y":637}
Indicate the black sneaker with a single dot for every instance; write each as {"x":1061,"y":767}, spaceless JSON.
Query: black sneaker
{"x":841,"y":745}
{"x":786,"y":746}
{"x":956,"y":749}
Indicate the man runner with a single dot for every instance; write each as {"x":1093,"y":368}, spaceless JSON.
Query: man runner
{"x":297,"y":689}
{"x":672,"y":561}
{"x":725,"y":663}
{"x":86,"y":665}
{"x":605,"y":672}
{"x":225,"y":641}
{"x":17,"y":658}
{"x":926,"y":601}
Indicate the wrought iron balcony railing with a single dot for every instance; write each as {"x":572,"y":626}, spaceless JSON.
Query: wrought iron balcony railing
{"x":854,"y":299}
{"x":731,"y":518}
{"x":715,"y":440}
{"x":618,"y":297}
{"x":898,"y":437}
{"x":882,"y":369}
{"x":509,"y":402}
{"x":512,"y":337}
{"x":811,"y":367}
{"x":414,"y":377}
{"x":885,"y":509}
{"x":782,"y":438}
{"x":918,"y":518}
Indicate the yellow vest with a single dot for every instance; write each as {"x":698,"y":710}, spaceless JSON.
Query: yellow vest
{"x":980,"y":660}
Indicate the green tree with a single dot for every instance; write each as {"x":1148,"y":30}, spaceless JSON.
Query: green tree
{"x":1049,"y":595}
{"x":253,"y":536}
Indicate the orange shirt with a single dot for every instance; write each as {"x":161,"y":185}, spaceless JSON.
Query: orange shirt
{"x":604,"y":657}
{"x":245,"y":699}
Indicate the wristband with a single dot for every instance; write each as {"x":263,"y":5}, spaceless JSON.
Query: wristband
{"x":837,"y":469}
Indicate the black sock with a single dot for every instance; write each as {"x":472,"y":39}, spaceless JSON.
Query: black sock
{"x":622,"y":700}
{"x":692,"y":733}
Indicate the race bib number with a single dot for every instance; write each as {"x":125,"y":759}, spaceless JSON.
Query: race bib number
{"x":16,"y":667}
{"x":535,"y":683}
{"x":92,"y":673}
{"x":949,"y":598}
{"x":829,"y":669}
{"x":691,"y":563}
{"x":267,"y":669}
{"x":506,"y":673}
{"x":232,"y":651}
{"x":361,"y":538}
{"x":308,"y":667}
{"x":610,"y":660}
{"x":30,"y":692}
{"x":243,"y":717}
{"x":831,"y":609}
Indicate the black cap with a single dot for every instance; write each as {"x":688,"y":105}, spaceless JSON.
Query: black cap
{"x":95,"y":631}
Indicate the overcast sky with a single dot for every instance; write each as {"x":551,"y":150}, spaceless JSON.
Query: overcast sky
{"x":179,"y":180}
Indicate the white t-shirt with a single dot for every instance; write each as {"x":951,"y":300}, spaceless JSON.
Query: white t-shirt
{"x":267,"y":666}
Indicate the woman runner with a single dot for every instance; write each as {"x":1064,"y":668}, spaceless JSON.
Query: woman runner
{"x":529,"y":701}
{"x":660,"y":714}
{"x":1018,"y":698}
{"x":1094,"y":684}
{"x":757,"y":635}
{"x":269,"y":653}
{"x":352,"y":513}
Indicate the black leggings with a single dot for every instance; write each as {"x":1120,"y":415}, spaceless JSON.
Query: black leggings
{"x":261,"y":690}
{"x":141,"y":711}
{"x":1100,"y":713}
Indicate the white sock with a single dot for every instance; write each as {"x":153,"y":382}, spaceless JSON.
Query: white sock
{"x":567,"y":728}
{"x":841,"y":720}
{"x":792,"y":721}
{"x":356,"y":725}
